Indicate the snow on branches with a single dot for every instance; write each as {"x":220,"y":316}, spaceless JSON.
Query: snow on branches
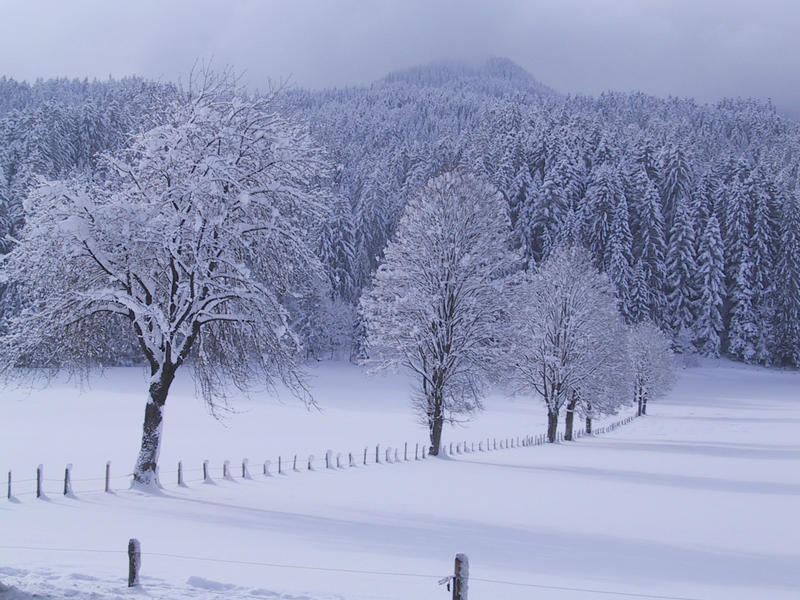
{"x":193,"y":237}
{"x":568,"y":337}
{"x":437,"y":299}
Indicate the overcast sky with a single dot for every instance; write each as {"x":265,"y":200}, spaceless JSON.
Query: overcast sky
{"x":706,"y":49}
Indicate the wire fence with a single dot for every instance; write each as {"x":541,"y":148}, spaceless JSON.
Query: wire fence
{"x":436,"y":579}
{"x":282,"y":465}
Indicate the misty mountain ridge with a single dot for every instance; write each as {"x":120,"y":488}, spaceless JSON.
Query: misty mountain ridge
{"x":462,"y":72}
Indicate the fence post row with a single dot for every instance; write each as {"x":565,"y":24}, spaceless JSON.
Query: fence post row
{"x":420,"y":453}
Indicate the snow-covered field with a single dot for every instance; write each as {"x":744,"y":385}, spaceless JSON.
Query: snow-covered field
{"x":697,"y":500}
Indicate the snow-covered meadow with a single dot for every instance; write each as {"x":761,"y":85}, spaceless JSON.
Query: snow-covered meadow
{"x":697,"y":500}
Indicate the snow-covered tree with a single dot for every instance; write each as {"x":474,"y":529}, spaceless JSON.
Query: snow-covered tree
{"x":711,"y":274}
{"x":191,"y":243}
{"x":652,"y":364}
{"x":618,"y":259}
{"x":787,"y":320}
{"x":436,"y":302}
{"x":743,"y":334}
{"x":681,"y":268}
{"x":565,"y":313}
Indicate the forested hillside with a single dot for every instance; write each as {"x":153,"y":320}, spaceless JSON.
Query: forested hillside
{"x":692,"y":210}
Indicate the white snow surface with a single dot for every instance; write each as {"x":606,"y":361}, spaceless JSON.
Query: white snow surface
{"x":696,"y":500}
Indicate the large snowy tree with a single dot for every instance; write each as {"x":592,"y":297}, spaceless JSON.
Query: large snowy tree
{"x":192,"y":240}
{"x":437,"y":300}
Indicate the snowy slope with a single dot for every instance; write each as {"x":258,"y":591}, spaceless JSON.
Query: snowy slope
{"x":697,"y":500}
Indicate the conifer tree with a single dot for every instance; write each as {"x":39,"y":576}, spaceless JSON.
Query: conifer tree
{"x":681,"y":266}
{"x":652,"y":254}
{"x":787,"y":314}
{"x":711,"y":275}
{"x":618,"y":260}
{"x":743,"y":332}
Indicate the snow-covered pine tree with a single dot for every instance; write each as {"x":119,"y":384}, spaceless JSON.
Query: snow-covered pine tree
{"x":652,"y":251}
{"x":711,"y":283}
{"x":787,"y":281}
{"x":676,"y":179}
{"x":602,"y":197}
{"x":681,"y":268}
{"x":743,"y":334}
{"x":618,"y":258}
{"x":763,"y":244}
{"x":639,"y":299}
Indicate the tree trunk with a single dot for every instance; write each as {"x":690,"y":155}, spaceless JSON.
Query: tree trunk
{"x":569,"y":420}
{"x":638,"y":403}
{"x":588,"y":418}
{"x":436,"y":424}
{"x":145,"y":471}
{"x":552,"y":426}
{"x":644,"y":405}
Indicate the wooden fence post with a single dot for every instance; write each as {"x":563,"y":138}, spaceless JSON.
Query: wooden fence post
{"x":246,"y":468}
{"x":68,"y":480}
{"x":350,"y":460}
{"x":405,"y":450}
{"x":226,"y":470}
{"x":108,"y":476}
{"x":280,"y":470}
{"x":365,"y":455}
{"x":39,"y":471}
{"x":310,"y":460}
{"x":294,"y":464}
{"x":205,"y":472}
{"x":416,"y":452}
{"x":180,"y":473}
{"x":9,"y":485}
{"x":266,"y":469}
{"x":134,"y":561}
{"x":377,"y":453}
{"x":461,"y":577}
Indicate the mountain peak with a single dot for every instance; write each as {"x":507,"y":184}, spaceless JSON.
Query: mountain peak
{"x":455,"y":71}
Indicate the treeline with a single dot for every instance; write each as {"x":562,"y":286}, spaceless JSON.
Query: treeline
{"x":690,"y":210}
